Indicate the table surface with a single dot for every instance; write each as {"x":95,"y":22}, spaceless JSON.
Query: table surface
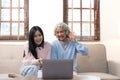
{"x":75,"y":77}
{"x":35,"y":78}
{"x":5,"y":77}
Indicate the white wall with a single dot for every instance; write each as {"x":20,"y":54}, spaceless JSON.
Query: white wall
{"x":110,"y":28}
{"x":46,"y":14}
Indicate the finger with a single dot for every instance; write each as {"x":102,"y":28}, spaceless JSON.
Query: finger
{"x":40,"y":60}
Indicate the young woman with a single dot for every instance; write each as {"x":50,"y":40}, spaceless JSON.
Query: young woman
{"x":66,"y":46}
{"x":36,"y":49}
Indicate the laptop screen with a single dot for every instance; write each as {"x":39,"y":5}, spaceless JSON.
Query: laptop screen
{"x":62,"y":69}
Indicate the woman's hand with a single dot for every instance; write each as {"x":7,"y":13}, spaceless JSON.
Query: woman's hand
{"x":40,"y":61}
{"x":72,"y":37}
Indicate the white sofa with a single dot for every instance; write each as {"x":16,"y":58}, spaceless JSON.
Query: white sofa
{"x":93,"y":64}
{"x":10,"y":58}
{"x":96,"y":63}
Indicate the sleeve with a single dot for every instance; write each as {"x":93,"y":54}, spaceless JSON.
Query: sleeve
{"x":28,"y":59}
{"x":80,"y":48}
{"x":53,"y":52}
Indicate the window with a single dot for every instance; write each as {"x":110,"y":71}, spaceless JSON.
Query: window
{"x":83,"y":18}
{"x":14,"y":19}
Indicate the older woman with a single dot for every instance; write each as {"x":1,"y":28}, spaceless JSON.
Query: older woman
{"x":66,"y":46}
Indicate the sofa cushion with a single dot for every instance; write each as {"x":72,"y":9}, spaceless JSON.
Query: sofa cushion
{"x":95,"y":61}
{"x":103,"y":76}
{"x":11,"y":58}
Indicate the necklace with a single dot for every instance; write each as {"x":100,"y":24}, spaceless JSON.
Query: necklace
{"x":64,"y":44}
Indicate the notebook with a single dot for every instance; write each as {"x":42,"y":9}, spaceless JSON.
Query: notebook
{"x":57,"y":69}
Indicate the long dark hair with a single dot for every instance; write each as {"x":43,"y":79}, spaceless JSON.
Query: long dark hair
{"x":32,"y":45}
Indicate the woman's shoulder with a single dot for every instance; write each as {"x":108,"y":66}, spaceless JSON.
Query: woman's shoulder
{"x":26,"y":44}
{"x":46,"y":43}
{"x":55,"y":43}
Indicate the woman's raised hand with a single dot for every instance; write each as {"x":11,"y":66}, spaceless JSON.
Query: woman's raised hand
{"x":72,"y":37}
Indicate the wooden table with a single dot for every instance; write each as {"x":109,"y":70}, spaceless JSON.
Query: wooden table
{"x":75,"y":77}
{"x":5,"y":77}
{"x":35,"y":78}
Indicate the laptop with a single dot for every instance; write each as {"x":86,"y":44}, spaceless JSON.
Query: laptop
{"x":57,"y":69}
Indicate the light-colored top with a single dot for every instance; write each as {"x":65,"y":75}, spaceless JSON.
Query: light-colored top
{"x":72,"y":48}
{"x":43,"y":53}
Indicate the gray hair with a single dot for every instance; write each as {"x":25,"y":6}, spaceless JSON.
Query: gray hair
{"x":64,"y":27}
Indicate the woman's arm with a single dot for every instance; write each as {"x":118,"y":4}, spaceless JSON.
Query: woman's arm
{"x":28,"y":58}
{"x":80,"y":48}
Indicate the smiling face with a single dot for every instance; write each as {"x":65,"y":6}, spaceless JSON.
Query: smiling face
{"x":38,"y":37}
{"x":60,"y":34}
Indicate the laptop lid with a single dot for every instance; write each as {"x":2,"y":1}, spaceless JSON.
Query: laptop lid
{"x":57,"y":69}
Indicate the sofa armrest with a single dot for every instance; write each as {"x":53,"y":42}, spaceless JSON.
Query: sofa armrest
{"x":96,"y":60}
{"x":114,"y":68}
